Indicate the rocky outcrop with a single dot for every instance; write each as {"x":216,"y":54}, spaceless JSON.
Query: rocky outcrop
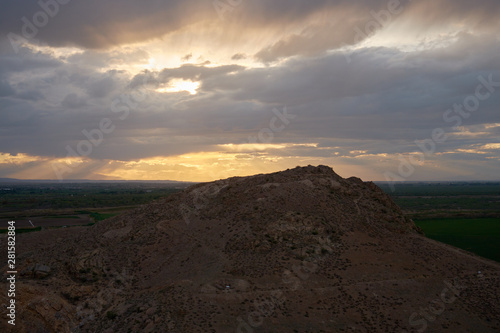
{"x":37,"y":271}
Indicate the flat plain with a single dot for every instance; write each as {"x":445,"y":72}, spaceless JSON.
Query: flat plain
{"x":462,"y":214}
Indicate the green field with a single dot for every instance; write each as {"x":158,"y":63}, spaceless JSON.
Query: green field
{"x":480,"y":236}
{"x":462,"y":214}
{"x":19,"y":197}
{"x":51,"y":205}
{"x":96,"y":215}
{"x":422,"y":201}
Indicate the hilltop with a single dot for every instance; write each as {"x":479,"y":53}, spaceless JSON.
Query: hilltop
{"x":301,"y":250}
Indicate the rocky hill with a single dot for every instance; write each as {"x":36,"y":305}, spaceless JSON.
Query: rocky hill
{"x":303,"y":250}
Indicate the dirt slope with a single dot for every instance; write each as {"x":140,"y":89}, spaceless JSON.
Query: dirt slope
{"x":302,"y":250}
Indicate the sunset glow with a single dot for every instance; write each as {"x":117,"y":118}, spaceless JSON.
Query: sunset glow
{"x":180,"y":85}
{"x":181,"y":90}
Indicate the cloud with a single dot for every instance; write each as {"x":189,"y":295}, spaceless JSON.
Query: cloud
{"x":104,"y":59}
{"x":239,"y":56}
{"x":5,"y":88}
{"x":187,"y":57}
{"x":101,"y":88}
{"x":357,"y":101}
{"x":388,"y":95}
{"x":98,"y":25}
{"x":185,"y":72}
{"x":73,"y":101}
{"x":303,"y":26}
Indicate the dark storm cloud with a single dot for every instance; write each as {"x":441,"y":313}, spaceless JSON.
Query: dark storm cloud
{"x":306,"y":26}
{"x":100,"y":24}
{"x":73,"y":101}
{"x":381,"y":102}
{"x":101,"y":87}
{"x":347,"y":23}
{"x":384,"y":87}
{"x":5,"y":88}
{"x":25,"y":60}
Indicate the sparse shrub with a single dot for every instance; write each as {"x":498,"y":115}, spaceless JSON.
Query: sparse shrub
{"x":111,"y":315}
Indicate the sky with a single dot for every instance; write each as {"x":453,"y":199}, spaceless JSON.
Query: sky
{"x":198,"y":90}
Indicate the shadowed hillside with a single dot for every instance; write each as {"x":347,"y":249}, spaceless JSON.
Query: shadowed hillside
{"x":302,"y":250}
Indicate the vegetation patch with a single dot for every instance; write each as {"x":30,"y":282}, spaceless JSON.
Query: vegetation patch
{"x":480,"y":236}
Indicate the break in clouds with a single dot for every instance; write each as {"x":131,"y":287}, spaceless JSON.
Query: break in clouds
{"x":187,"y":86}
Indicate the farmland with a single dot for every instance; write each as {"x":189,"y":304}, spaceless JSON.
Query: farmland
{"x":465,"y":214}
{"x":56,"y":205}
{"x":480,"y":236}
